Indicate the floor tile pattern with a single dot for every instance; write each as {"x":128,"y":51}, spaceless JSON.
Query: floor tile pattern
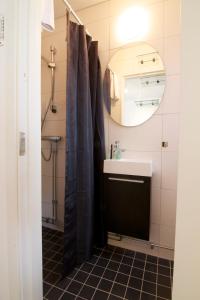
{"x":111,"y":274}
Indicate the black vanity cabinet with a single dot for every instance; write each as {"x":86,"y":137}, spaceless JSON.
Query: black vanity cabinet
{"x":127,"y":200}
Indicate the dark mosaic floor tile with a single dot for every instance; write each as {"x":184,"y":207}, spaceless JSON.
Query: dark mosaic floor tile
{"x":113,"y":297}
{"x":125,"y":269}
{"x":102,"y":262}
{"x":149,"y":276}
{"x":137,"y":272}
{"x":139,"y":264}
{"x":152,"y":259}
{"x":106,"y":254}
{"x":99,"y":295}
{"x":146,"y":296}
{"x":118,"y":290}
{"x":151,"y":267}
{"x":58,"y":268}
{"x":52,"y":278}
{"x":116,"y":257}
{"x":164,"y":280}
{"x":109,"y":274}
{"x":98,"y":271}
{"x":87,"y":267}
{"x":149,"y":287}
{"x":141,"y":256}
{"x":113,"y":265}
{"x":72,"y":274}
{"x":63,"y":283}
{"x":164,"y":262}
{"x":119,"y":250}
{"x":81,"y":276}
{"x":129,"y":253}
{"x":105,"y":285}
{"x":93,"y":259}
{"x":110,"y":248}
{"x":93,"y":280}
{"x":45,"y":273}
{"x":163,"y":270}
{"x":122,"y":278}
{"x":74,"y":287}
{"x":132,"y":294}
{"x":54,"y":294}
{"x":87,"y":292}
{"x":50,"y":265}
{"x":97,"y":251}
{"x":127,"y":260}
{"x":135,"y":283}
{"x":163,"y":292}
{"x":46,"y":288}
{"x":68,"y":296}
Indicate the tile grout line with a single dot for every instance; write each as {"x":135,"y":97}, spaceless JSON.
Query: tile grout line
{"x":143,"y":277}
{"x":132,"y":266}
{"x":109,"y":260}
{"x":89,"y":273}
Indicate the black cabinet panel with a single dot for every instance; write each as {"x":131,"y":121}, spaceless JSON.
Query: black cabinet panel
{"x":127,"y":200}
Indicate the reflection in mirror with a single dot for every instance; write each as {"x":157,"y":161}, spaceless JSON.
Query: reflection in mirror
{"x":134,"y":83}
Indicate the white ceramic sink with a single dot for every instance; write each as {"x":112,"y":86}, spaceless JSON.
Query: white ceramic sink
{"x":128,"y":167}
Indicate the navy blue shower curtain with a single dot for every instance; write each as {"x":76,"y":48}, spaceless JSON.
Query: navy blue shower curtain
{"x":84,"y":149}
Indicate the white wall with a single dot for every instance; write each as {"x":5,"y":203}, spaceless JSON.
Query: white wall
{"x":145,"y":141}
{"x":187,"y":251}
{"x":55,"y":123}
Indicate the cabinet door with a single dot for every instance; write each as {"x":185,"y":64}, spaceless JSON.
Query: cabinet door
{"x":127,"y":201}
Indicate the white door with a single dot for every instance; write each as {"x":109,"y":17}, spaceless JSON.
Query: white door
{"x":20,"y":175}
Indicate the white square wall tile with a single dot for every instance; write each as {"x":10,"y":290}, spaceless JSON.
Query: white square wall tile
{"x":54,"y":128}
{"x":60,"y":190}
{"x":171,"y":131}
{"x":58,"y":40}
{"x":169,"y":170}
{"x":172,"y":17}
{"x":155,"y":205}
{"x":155,"y":233}
{"x":168,"y":207}
{"x":171,"y":102}
{"x":155,"y":157}
{"x":146,"y":137}
{"x":100,"y":32}
{"x":46,"y":189}
{"x":167,"y":236}
{"x":60,"y":171}
{"x":94,"y":13}
{"x":172,"y":55}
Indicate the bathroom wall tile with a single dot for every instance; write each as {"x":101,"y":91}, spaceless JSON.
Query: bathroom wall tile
{"x":60,"y":172}
{"x":166,"y":253}
{"x":172,"y":55}
{"x":46,"y":165}
{"x":46,"y":209}
{"x":155,"y":233}
{"x":168,"y":207}
{"x":59,"y":115}
{"x":171,"y":102}
{"x":156,"y":20}
{"x":54,"y":128}
{"x":172,"y":17}
{"x":155,"y":157}
{"x":60,"y":191}
{"x":46,"y":189}
{"x":171,"y":131}
{"x":61,"y":76}
{"x":146,"y":137}
{"x":155,"y":205}
{"x":167,"y":236}
{"x":104,"y":59}
{"x":58,"y":41}
{"x":169,"y":170}
{"x":94,"y":13}
{"x":100,"y":32}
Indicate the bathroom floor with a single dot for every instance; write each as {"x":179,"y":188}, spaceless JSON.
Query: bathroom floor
{"x":112,"y":273}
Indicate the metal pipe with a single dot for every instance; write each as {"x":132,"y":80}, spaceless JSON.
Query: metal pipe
{"x":54,"y":201}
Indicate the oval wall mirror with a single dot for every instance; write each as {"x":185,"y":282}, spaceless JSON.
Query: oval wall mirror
{"x":134,"y":84}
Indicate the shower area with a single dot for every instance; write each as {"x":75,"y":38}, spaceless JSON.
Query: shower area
{"x":53,"y":120}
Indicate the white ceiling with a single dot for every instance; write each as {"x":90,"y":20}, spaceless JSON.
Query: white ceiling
{"x":59,"y":5}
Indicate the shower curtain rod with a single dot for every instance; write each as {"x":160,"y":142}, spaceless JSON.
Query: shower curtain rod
{"x":71,"y":11}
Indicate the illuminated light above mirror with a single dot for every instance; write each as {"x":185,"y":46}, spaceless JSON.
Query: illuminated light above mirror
{"x":134,"y":84}
{"x":133,"y":25}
